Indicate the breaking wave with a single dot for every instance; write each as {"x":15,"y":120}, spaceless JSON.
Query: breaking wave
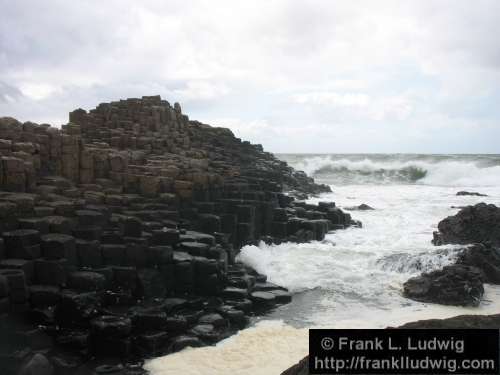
{"x":439,"y":170}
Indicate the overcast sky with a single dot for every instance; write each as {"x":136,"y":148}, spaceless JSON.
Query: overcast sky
{"x":296,"y":76}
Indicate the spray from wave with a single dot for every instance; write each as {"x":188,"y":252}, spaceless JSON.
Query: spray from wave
{"x":402,"y":169}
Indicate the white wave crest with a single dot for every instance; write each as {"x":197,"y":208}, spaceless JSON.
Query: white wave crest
{"x":452,"y":171}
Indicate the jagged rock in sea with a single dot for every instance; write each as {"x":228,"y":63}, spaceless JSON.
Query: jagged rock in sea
{"x":361,"y":207}
{"x":453,"y":285}
{"x":120,"y":231}
{"x":472,"y":224}
{"x":471,"y":193}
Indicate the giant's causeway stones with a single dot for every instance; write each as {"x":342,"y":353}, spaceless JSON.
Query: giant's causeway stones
{"x":120,"y":231}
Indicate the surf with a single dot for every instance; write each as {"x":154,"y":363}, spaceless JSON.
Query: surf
{"x":436,"y":170}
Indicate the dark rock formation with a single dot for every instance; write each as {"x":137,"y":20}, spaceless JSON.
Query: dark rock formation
{"x":485,"y":258}
{"x":472,"y":224}
{"x":457,"y":322}
{"x":120,"y":231}
{"x":38,"y":365}
{"x":361,"y":207}
{"x":453,"y":285}
{"x":301,"y":368}
{"x":471,"y":193}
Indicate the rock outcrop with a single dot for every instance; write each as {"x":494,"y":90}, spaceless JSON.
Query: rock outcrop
{"x":485,"y":258}
{"x":453,"y":285}
{"x":472,"y":224}
{"x":471,"y":193}
{"x":119,"y":232}
{"x":462,"y":283}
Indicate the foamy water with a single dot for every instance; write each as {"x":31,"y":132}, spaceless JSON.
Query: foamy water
{"x":271,"y":346}
{"x":353,"y":279}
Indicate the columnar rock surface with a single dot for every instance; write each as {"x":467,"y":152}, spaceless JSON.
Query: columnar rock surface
{"x":120,"y":231}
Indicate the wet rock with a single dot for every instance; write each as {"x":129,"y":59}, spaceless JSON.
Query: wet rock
{"x":194,"y":248}
{"x":86,"y":281}
{"x":234,"y":293}
{"x":44,"y":295}
{"x":151,"y":283}
{"x":58,"y":246}
{"x":472,"y":224}
{"x":89,"y":253}
{"x":107,"y":326}
{"x":471,"y":193}
{"x":4,"y":286}
{"x":51,"y":272}
{"x":151,"y":343}
{"x":37,"y":365}
{"x":453,"y":285}
{"x":361,"y":207}
{"x":147,"y":319}
{"x":263,"y":299}
{"x":485,"y":258}
{"x":77,"y":308}
{"x":213,"y":319}
{"x":181,"y":342}
{"x":281,"y":296}
{"x":22,"y":243}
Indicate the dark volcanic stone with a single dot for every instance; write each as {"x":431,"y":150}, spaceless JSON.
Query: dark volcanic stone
{"x":453,"y":285}
{"x":27,"y":267}
{"x":234,"y":293}
{"x":361,"y":207}
{"x":18,"y":239}
{"x":51,"y":272}
{"x":472,"y":193}
{"x":472,"y":224}
{"x":44,"y":295}
{"x":485,"y":258}
{"x":263,"y":299}
{"x":89,"y":253}
{"x":86,"y":281}
{"x":181,"y":342}
{"x":37,"y":365}
{"x":194,"y":248}
{"x":57,"y":246}
{"x":111,"y":326}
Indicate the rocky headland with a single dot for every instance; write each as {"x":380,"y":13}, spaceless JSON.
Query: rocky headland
{"x":120,"y":231}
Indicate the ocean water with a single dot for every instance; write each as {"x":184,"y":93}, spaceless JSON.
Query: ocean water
{"x":353,"y":279}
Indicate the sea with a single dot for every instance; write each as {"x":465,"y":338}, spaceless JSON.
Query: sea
{"x":354,"y":277}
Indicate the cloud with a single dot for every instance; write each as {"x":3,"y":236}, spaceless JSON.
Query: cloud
{"x":273,"y":68}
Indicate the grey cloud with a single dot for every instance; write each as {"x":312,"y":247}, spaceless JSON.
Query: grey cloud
{"x":9,"y":93}
{"x":246,"y":61}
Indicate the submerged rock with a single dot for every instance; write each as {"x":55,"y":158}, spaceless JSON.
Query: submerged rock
{"x":453,"y":285}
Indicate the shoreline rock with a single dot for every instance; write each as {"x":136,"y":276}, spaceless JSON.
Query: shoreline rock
{"x":462,"y":282}
{"x":457,"y":322}
{"x":120,"y":232}
{"x":457,"y":284}
{"x":472,"y":224}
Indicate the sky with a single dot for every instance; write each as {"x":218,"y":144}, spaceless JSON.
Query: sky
{"x":308,"y":76}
